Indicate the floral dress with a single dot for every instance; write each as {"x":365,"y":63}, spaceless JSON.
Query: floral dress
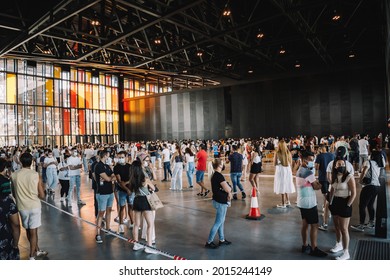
{"x":7,"y":208}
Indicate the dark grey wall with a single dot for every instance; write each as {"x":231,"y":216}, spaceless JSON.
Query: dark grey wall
{"x":336,"y":103}
{"x":195,"y":115}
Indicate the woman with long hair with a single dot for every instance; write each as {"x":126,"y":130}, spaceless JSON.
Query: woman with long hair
{"x":177,"y":174}
{"x":342,"y":195}
{"x":141,"y":186}
{"x":190,"y":166}
{"x":255,"y":166}
{"x":283,"y":182}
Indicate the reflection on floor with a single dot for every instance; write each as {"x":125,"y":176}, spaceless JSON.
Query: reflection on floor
{"x":183,"y":225}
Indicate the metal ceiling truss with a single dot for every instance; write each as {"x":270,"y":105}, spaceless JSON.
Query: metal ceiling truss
{"x":193,"y":38}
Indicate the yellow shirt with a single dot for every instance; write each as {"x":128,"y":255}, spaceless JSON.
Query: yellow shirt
{"x":25,"y":183}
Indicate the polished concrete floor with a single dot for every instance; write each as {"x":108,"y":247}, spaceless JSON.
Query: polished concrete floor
{"x":182,"y":228}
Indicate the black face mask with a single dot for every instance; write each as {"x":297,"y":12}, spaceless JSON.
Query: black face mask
{"x":341,"y":169}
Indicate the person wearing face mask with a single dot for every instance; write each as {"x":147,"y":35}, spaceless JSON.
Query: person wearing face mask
{"x":104,"y":177}
{"x":63,"y":177}
{"x":50,"y":163}
{"x":177,"y":174}
{"x":121,"y":171}
{"x":75,"y":164}
{"x":307,"y":204}
{"x":222,"y":195}
{"x":321,"y":163}
{"x":342,"y":195}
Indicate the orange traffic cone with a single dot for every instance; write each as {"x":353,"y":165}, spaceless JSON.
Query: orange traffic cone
{"x":254,"y":212}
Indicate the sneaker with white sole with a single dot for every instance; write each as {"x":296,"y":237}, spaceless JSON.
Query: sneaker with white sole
{"x":62,"y":199}
{"x":358,"y":227}
{"x":337,"y":248}
{"x":371,"y":224}
{"x":121,"y":229}
{"x":323,"y":227}
{"x":81,"y":202}
{"x":344,"y":256}
{"x":150,"y":250}
{"x":98,"y":239}
{"x":41,"y":253}
{"x":137,"y":247}
{"x":281,"y":206}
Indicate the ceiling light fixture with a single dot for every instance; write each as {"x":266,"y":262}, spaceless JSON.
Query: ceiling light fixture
{"x":157,"y":41}
{"x":260,"y":35}
{"x":229,"y":64}
{"x":226,"y":12}
{"x":336,"y":16}
{"x":351,"y":54}
{"x":297,"y":64}
{"x":199,"y":53}
{"x":282,"y":50}
{"x":185,"y":71}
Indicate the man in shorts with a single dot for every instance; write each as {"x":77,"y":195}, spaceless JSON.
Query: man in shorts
{"x":321,"y":163}
{"x":201,"y":164}
{"x":28,"y":192}
{"x":307,"y":203}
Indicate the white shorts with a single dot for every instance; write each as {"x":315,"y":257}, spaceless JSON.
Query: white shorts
{"x":31,"y":219}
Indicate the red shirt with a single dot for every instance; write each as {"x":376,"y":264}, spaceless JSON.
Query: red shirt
{"x":202,"y":160}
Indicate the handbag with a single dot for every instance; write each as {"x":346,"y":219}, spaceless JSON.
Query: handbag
{"x":153,"y":199}
{"x":368,"y":178}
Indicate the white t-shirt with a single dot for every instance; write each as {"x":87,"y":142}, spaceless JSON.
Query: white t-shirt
{"x":376,"y":171}
{"x":63,"y":175}
{"x":89,"y":153}
{"x":166,"y":155}
{"x":190,"y":158}
{"x":49,"y":160}
{"x":56,"y":153}
{"x":72,"y":160}
{"x":363,"y":147}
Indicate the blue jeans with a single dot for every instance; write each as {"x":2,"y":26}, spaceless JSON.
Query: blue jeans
{"x":167,"y":169}
{"x":74,"y":180}
{"x":51,"y":178}
{"x":190,"y":172}
{"x":235,"y":177}
{"x":85,"y":164}
{"x":219,"y":221}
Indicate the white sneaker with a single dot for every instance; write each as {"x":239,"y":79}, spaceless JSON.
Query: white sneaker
{"x":337,"y":248}
{"x":137,"y":247}
{"x":32,"y":259}
{"x":150,"y":250}
{"x":121,"y":229}
{"x":41,"y":253}
{"x":344,"y":256}
{"x":281,"y":206}
{"x":62,"y":199}
{"x":125,"y":221}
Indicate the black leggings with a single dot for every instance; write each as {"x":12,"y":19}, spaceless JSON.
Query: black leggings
{"x":64,"y":187}
{"x":366,"y":200}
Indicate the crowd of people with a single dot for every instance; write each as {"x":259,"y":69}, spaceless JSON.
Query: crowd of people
{"x":125,"y":173}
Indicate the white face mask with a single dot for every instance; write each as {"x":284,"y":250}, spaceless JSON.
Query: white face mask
{"x":75,"y":154}
{"x":121,"y":160}
{"x":145,"y":163}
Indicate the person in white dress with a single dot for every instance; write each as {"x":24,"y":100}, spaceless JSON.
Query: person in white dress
{"x":283,"y":181}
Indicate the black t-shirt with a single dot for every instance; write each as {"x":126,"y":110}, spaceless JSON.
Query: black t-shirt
{"x":122,"y":170}
{"x":93,"y":165}
{"x":219,"y":195}
{"x":103,"y":187}
{"x":152,"y":150}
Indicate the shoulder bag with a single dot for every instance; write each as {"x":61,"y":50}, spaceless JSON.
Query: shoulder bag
{"x":153,"y":199}
{"x":368,"y":177}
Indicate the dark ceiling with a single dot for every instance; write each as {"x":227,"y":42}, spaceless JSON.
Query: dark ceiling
{"x":219,"y":40}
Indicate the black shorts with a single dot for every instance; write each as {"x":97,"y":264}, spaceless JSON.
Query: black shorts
{"x":324,"y":187}
{"x":339,"y":207}
{"x":310,"y":215}
{"x":353,"y":157}
{"x":255,"y":168}
{"x":141,"y":204}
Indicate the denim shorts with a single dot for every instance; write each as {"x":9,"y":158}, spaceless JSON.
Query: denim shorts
{"x":104,"y":201}
{"x":199,"y":176}
{"x":124,"y":198}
